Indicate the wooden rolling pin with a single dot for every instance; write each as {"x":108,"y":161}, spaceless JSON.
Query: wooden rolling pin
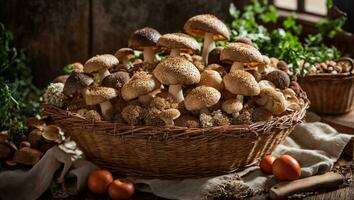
{"x":284,"y":189}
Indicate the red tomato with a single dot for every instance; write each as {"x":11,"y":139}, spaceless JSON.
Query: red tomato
{"x":266,"y":164}
{"x":99,"y":181}
{"x":286,"y":168}
{"x":119,"y":190}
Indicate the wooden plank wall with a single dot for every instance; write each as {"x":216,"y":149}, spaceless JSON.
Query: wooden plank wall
{"x":58,"y":32}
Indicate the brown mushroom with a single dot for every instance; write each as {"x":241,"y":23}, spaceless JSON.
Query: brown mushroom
{"x":52,"y":134}
{"x":116,"y":80}
{"x":211,"y":78}
{"x":209,"y":27}
{"x":177,"y":43}
{"x":145,"y":39}
{"x":27,"y":156}
{"x":232,"y":106}
{"x":282,"y":66}
{"x":187,"y":121}
{"x":93,"y":115}
{"x":35,"y":138}
{"x":217,"y":68}
{"x":202,"y":97}
{"x":76,"y":82}
{"x":124,"y":55}
{"x":33,"y":122}
{"x":169,"y":115}
{"x":272,"y":100}
{"x":7,"y":149}
{"x":280,"y":79}
{"x":101,"y":64}
{"x":214,"y":56}
{"x":176,"y":71}
{"x":244,"y":40}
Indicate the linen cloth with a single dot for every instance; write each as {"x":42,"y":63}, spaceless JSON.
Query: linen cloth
{"x":316,"y":146}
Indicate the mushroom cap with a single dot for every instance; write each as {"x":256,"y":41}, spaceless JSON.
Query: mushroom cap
{"x":51,"y":133}
{"x":145,"y":37}
{"x":211,"y":78}
{"x":61,"y":79}
{"x":170,"y":113}
{"x":272,"y":100}
{"x":201,"y":97}
{"x":205,"y":23}
{"x":122,"y":52}
{"x":180,"y":41}
{"x":242,"y":83}
{"x":266,"y":60}
{"x":27,"y":156}
{"x":140,"y":84}
{"x":281,"y":65}
{"x":240,"y":52}
{"x":244,"y":40}
{"x":214,"y":56}
{"x":76,"y":82}
{"x":93,"y":115}
{"x":265,"y":83}
{"x":217,"y":68}
{"x":232,"y":106}
{"x":175,"y":70}
{"x":116,"y":80}
{"x":95,"y":95}
{"x":98,"y":62}
{"x":280,"y":79}
{"x":35,"y":138}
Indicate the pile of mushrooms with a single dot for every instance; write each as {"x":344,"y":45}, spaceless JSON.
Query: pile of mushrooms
{"x":234,"y":84}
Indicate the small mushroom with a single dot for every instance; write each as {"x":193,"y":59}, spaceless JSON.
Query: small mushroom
{"x":116,"y":80}
{"x":272,"y":100}
{"x":52,"y":134}
{"x":239,"y":54}
{"x":76,"y":82}
{"x":177,"y":43}
{"x":147,"y":98}
{"x":214,"y":56}
{"x":187,"y":121}
{"x":101,"y":95}
{"x":169,"y":115}
{"x":280,"y":79}
{"x":78,"y":67}
{"x":133,"y":114}
{"x":53,"y":95}
{"x":292,"y":102}
{"x":7,"y":149}
{"x":124,"y":55}
{"x":209,"y":27}
{"x":232,"y":106}
{"x":93,"y":115}
{"x":176,"y":71}
{"x":282,"y":66}
{"x":35,"y":137}
{"x":61,"y":79}
{"x":145,"y":39}
{"x":27,"y":156}
{"x":295,"y":86}
{"x":244,"y":40}
{"x":217,"y":68}
{"x":265,"y":66}
{"x":211,"y":78}
{"x":265,"y":83}
{"x":140,"y":84}
{"x":101,"y":64}
{"x":255,"y":74}
{"x":202,"y":97}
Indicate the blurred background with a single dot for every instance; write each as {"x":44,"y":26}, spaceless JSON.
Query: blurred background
{"x":56,"y":33}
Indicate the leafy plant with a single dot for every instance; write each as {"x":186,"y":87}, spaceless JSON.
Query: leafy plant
{"x":18,"y":96}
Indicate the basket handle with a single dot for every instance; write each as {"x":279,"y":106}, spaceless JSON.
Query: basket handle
{"x":350,"y":60}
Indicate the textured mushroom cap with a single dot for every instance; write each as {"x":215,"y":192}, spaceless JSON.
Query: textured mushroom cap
{"x":240,"y":52}
{"x":201,"y":24}
{"x":211,"y":78}
{"x":242,"y":83}
{"x":232,"y":106}
{"x":76,"y":82}
{"x":272,"y":100}
{"x":170,"y":113}
{"x":201,"y":97}
{"x":216,"y":67}
{"x":280,"y":79}
{"x":98,"y":62}
{"x":175,"y":70}
{"x":145,"y":37}
{"x":120,"y":53}
{"x":96,"y":95}
{"x":265,"y":83}
{"x":281,"y":65}
{"x":116,"y":80}
{"x":140,"y":84}
{"x":266,"y":60}
{"x":244,"y":40}
{"x":180,"y":41}
{"x":27,"y":156}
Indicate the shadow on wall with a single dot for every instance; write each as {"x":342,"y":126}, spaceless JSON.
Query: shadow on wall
{"x":65,"y":31}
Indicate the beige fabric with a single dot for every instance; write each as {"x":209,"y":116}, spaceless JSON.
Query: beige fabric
{"x":31,"y":184}
{"x":315,"y":145}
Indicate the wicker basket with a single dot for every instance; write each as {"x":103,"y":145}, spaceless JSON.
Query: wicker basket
{"x":176,"y":152}
{"x":330,"y":93}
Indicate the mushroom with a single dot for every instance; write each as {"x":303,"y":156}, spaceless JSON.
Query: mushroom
{"x":33,"y":122}
{"x":187,"y":121}
{"x":209,"y":27}
{"x":145,"y":39}
{"x":101,"y":64}
{"x":292,"y":102}
{"x":265,"y":83}
{"x":116,"y":80}
{"x":176,"y":71}
{"x":140,"y":84}
{"x":232,"y":106}
{"x":202,"y":97}
{"x":27,"y":156}
{"x":255,"y":74}
{"x":146,"y":99}
{"x":133,"y":114}
{"x":264,"y":67}
{"x":35,"y":138}
{"x":52,"y":134}
{"x":261,"y":114}
{"x":211,"y":78}
{"x":76,"y":82}
{"x":219,"y":118}
{"x":280,"y":79}
{"x":7,"y":149}
{"x":272,"y":100}
{"x":177,"y":43}
{"x":239,"y":54}
{"x":282,"y":66}
{"x":101,"y":95}
{"x":54,"y":94}
{"x":93,"y":115}
{"x":169,"y":115}
{"x":217,"y":68}
{"x":214,"y":56}
{"x":295,"y":86}
{"x":244,"y":40}
{"x":78,"y":67}
{"x":61,"y":79}
{"x":124,"y":55}
{"x":241,"y":83}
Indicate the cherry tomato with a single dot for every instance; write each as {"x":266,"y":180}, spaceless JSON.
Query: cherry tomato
{"x":266,"y":164}
{"x":119,"y":190}
{"x":99,"y":181}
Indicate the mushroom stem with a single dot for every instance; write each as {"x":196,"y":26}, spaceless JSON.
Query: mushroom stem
{"x":103,"y":73}
{"x":240,"y":98}
{"x":208,"y":45}
{"x":177,"y":92}
{"x":149,"y":55}
{"x":175,"y":52}
{"x":236,"y":66}
{"x":106,"y":109}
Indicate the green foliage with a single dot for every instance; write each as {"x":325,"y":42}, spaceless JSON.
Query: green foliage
{"x":329,"y":3}
{"x":18,"y":96}
{"x":283,"y":43}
